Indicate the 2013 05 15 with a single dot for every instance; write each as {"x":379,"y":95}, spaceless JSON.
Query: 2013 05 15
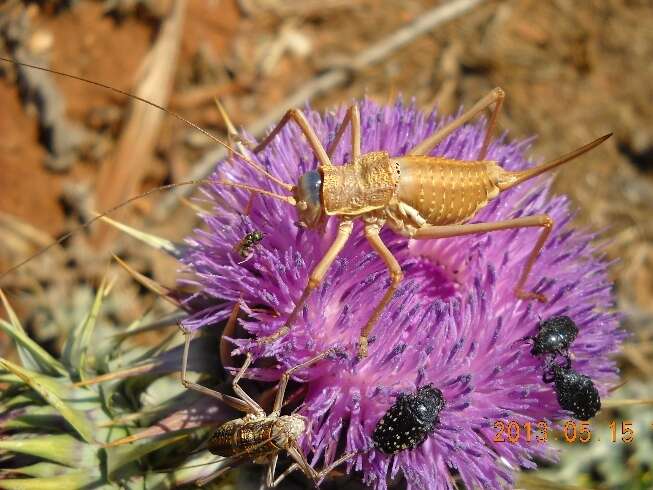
{"x":573,"y":431}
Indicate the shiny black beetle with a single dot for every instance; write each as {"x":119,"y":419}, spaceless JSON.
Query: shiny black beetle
{"x":554,"y":336}
{"x":409,"y":421}
{"x":576,"y":392}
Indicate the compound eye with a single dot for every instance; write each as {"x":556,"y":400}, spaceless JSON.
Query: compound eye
{"x":312,"y":183}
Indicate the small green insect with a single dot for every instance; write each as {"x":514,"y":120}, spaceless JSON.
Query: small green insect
{"x":245,"y":247}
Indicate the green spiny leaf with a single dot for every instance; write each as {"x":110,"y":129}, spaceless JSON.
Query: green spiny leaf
{"x":137,"y":327}
{"x":71,"y":481}
{"x":32,"y":355}
{"x":161,"y":391}
{"x":43,"y":469}
{"x":13,"y":318}
{"x":150,"y":240}
{"x":45,"y":417}
{"x":25,"y":398}
{"x":74,"y":417}
{"x":161,"y":361}
{"x":111,"y":344}
{"x":10,"y":378}
{"x":60,"y":448}
{"x":205,"y":413}
{"x":204,"y":350}
{"x":151,"y":415}
{"x":78,"y":397}
{"x":77,"y":344}
{"x":197,"y":466}
{"x":120,"y":458}
{"x":157,"y":350}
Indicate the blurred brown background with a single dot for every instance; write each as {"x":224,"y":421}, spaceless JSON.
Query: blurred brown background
{"x":572,"y":70}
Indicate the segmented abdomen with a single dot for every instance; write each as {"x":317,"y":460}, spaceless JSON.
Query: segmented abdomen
{"x":251,"y":439}
{"x":445,"y":191}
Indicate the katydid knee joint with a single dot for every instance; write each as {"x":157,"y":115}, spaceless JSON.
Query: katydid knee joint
{"x":547,"y":222}
{"x":396,"y":277}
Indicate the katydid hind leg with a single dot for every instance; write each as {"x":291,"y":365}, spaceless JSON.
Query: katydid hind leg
{"x":240,"y":392}
{"x":496,"y":97}
{"x":229,"y":464}
{"x":243,"y":405}
{"x":317,"y":476}
{"x":283,"y":475}
{"x":542,"y":221}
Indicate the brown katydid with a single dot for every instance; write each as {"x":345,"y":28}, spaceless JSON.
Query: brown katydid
{"x":416,"y":195}
{"x":258,"y":436}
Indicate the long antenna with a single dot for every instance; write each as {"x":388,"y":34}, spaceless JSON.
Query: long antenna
{"x":247,"y":160}
{"x":289,"y":199}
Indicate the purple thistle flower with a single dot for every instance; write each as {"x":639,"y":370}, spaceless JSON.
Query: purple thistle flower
{"x":454,"y":322}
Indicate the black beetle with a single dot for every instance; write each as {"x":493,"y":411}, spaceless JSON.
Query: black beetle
{"x":409,"y":421}
{"x":576,"y":392}
{"x":554,"y":336}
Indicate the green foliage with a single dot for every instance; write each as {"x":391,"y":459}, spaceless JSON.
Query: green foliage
{"x":107,"y":415}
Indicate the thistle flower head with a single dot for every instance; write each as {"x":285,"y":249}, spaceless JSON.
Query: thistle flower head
{"x":454,"y":322}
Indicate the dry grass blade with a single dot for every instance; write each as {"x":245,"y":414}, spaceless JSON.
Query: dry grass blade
{"x":31,"y":354}
{"x":153,"y":241}
{"x":74,"y":417}
{"x":198,"y":416}
{"x":125,"y":373}
{"x":120,"y":176}
{"x":617,"y":403}
{"x":201,"y":95}
{"x":148,"y":283}
{"x":200,"y":211}
{"x":637,"y":358}
{"x":14,"y":226}
{"x":530,"y":481}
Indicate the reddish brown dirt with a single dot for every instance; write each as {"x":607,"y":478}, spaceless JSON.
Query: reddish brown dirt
{"x":91,"y":45}
{"x":29,"y":192}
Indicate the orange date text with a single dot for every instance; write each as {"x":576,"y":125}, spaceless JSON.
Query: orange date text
{"x":569,"y":431}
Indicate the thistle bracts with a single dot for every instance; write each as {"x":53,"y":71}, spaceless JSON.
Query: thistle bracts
{"x":60,"y":429}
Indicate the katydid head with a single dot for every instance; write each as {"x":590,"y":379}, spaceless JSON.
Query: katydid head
{"x":308,"y":197}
